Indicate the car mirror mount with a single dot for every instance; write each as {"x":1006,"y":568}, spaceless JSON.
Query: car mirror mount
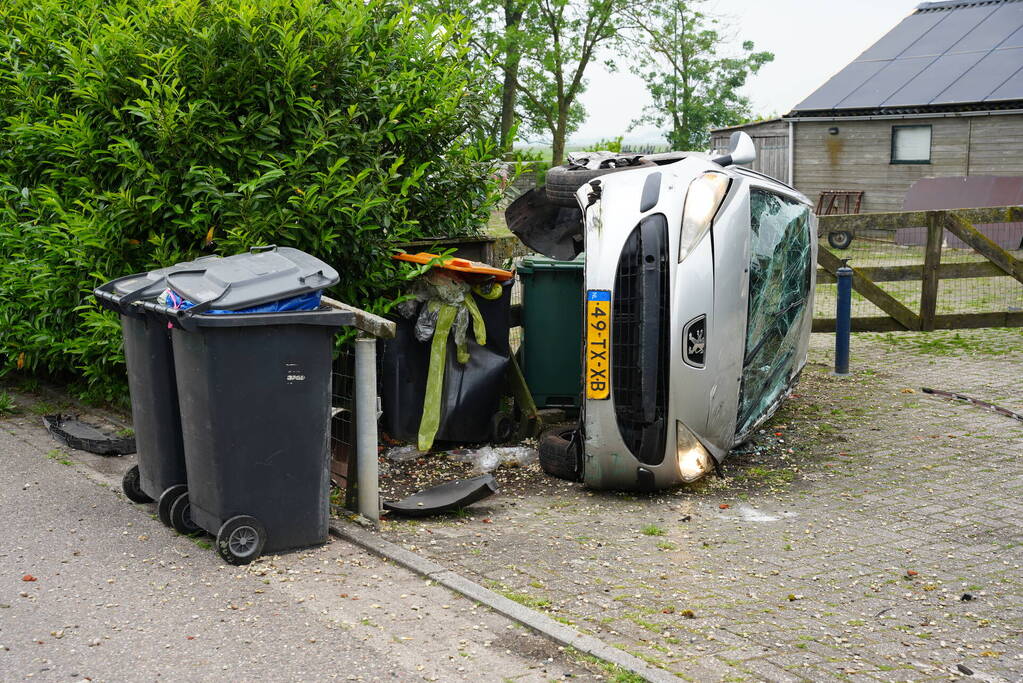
{"x":741,"y":150}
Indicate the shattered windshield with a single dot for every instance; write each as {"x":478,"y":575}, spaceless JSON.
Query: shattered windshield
{"x":779,"y":291}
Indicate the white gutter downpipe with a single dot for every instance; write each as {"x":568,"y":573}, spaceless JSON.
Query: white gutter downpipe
{"x":792,"y":156}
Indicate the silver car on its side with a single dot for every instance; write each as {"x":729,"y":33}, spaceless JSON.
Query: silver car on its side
{"x":699,"y":282}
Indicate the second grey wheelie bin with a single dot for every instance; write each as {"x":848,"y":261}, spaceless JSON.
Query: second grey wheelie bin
{"x":160,"y":472}
{"x":253,"y":384}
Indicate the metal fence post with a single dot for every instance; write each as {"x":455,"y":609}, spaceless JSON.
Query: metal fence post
{"x":366,"y":427}
{"x":843,"y":318}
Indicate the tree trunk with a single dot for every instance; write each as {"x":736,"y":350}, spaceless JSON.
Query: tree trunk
{"x":513,"y":10}
{"x":509,"y":94}
{"x":558,"y":142}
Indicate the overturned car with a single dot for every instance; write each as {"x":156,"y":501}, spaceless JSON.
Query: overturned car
{"x":699,"y":282}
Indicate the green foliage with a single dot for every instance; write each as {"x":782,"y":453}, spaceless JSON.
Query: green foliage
{"x":694,"y":89}
{"x":565,"y":36}
{"x":613,"y":145}
{"x":7,"y":404}
{"x":135,"y":134}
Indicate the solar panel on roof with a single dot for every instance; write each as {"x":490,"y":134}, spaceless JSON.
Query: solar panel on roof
{"x":930,"y":82}
{"x":885,"y":83}
{"x":944,"y":53}
{"x":953,"y":27}
{"x":1009,"y":90}
{"x":989,"y":33}
{"x":976,"y":84}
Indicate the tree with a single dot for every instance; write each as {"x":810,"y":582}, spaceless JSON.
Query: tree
{"x":553,"y":68}
{"x":694,"y":89}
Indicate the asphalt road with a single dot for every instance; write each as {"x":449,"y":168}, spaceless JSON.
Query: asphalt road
{"x":115,"y":595}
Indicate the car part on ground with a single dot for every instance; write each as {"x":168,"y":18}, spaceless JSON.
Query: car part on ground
{"x":452,"y":495}
{"x":82,"y":436}
{"x":563,"y":181}
{"x":975,"y":401}
{"x":840,"y":239}
{"x":546,"y":228}
{"x":561,"y":452}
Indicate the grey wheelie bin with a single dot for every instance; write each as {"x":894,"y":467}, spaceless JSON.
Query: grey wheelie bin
{"x":253,"y":382}
{"x":160,"y":472}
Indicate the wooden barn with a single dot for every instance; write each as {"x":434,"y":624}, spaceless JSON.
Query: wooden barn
{"x":941,"y":94}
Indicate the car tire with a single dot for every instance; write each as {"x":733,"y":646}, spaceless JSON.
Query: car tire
{"x":563,"y":181}
{"x":840,"y":239}
{"x":560,"y":453}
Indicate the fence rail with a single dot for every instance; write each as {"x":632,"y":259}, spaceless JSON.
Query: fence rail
{"x":905,"y":309}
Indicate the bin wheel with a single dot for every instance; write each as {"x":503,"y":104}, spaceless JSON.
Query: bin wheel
{"x":502,"y":428}
{"x":241,"y":539}
{"x":840,"y":239}
{"x":167,"y":498}
{"x":181,"y":516}
{"x":132,"y":486}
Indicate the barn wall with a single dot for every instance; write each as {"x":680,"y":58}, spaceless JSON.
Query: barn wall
{"x":859,"y":156}
{"x":771,"y":138}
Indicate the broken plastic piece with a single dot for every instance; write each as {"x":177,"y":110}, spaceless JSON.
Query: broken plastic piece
{"x":459,"y":265}
{"x":403,"y":453}
{"x":83,"y":436}
{"x":451,"y":495}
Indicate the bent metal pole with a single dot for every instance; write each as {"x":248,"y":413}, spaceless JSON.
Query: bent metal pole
{"x":366,"y":427}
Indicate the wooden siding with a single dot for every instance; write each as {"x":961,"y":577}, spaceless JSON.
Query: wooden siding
{"x":771,"y":138}
{"x":859,"y":156}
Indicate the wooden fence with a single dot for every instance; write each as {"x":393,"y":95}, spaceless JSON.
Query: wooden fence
{"x":959,"y":222}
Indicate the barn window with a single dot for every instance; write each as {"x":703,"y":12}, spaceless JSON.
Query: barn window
{"x":911,"y":144}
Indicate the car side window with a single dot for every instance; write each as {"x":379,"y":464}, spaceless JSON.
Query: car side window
{"x":779,"y":291}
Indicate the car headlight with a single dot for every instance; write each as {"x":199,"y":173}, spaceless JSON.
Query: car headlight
{"x":693,"y":459}
{"x":702,"y":202}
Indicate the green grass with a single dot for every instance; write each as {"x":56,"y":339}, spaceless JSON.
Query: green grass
{"x":666,"y":545}
{"x":59,"y":456}
{"x":7,"y":405}
{"x":526,"y":600}
{"x":991,"y":341}
{"x":652,"y":530}
{"x":44,"y":408}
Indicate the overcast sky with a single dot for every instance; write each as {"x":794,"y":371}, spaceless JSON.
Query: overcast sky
{"x":811,"y":41}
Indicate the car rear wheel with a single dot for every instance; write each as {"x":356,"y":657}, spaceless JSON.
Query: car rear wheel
{"x":561,"y":453}
{"x":563,"y":181}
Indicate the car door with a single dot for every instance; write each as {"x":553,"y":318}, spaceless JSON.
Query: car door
{"x":780,"y":304}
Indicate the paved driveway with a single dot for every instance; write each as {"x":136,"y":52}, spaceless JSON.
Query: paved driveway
{"x":871,"y":533}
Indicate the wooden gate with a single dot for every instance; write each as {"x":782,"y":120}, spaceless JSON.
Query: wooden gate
{"x":883,"y":227}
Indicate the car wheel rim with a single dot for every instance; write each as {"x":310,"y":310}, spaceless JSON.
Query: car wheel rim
{"x":242,"y":541}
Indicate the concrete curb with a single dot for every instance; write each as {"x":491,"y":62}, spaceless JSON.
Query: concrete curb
{"x":542,"y":624}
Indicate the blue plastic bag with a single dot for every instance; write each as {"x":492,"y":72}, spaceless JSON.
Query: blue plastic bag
{"x":309,"y":301}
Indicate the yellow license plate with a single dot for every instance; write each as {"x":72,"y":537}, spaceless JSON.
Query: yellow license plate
{"x":598,"y":346}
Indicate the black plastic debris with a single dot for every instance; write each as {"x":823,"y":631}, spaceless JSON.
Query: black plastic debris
{"x":451,"y":495}
{"x":82,"y":436}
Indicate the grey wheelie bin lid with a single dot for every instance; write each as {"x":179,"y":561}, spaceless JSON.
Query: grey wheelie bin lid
{"x":121,"y":293}
{"x":262,"y":275}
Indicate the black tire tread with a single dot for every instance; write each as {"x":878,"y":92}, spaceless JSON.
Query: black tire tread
{"x":563,"y":182}
{"x":559,"y":454}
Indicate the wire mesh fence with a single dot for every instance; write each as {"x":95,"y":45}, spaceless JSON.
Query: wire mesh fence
{"x":342,"y":422}
{"x":880,"y":257}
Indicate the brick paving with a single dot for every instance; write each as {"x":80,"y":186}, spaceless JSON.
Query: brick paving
{"x":871,"y":533}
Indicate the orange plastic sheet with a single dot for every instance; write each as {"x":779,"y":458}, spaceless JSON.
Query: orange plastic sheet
{"x":458,"y":265}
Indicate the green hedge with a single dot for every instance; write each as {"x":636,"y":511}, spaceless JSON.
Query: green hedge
{"x":140,"y":133}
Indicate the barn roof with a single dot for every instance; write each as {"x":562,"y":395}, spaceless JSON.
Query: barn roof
{"x":944,"y":56}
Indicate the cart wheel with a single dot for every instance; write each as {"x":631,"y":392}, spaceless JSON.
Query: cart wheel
{"x":181,"y":516}
{"x":167,"y":498}
{"x":840,"y":239}
{"x":132,"y":486}
{"x":241,"y":539}
{"x":501,"y":428}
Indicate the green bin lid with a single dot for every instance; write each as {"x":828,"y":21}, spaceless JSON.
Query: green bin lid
{"x":533,"y":263}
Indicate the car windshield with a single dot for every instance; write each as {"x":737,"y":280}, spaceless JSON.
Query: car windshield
{"x":779,"y":290}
